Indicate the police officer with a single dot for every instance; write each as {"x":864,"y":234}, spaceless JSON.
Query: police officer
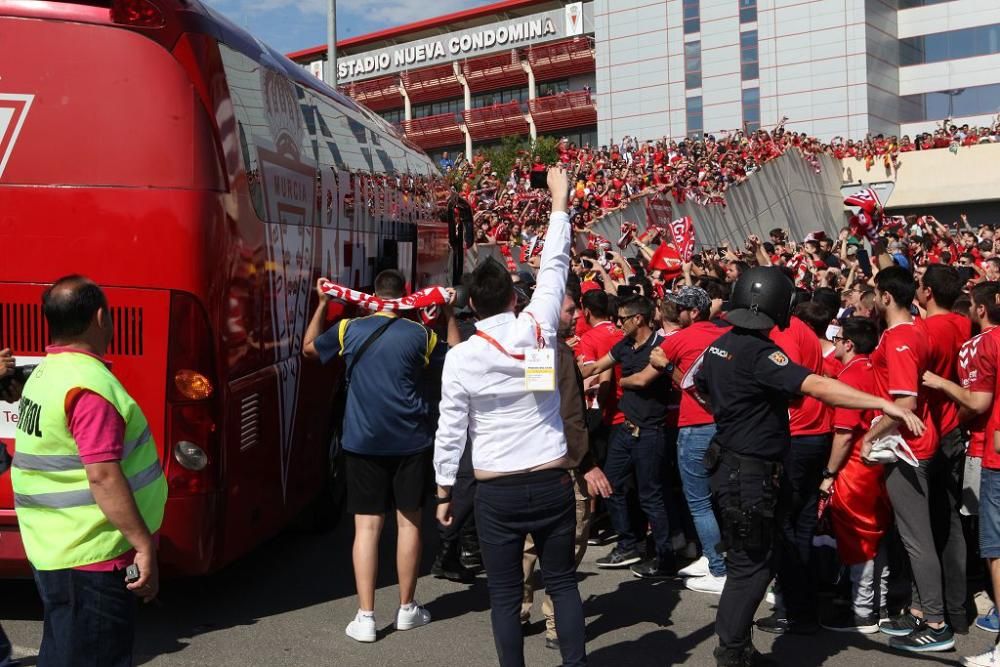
{"x":748,"y":382}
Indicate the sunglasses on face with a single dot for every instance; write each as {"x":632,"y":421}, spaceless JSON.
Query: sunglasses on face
{"x":619,"y":319}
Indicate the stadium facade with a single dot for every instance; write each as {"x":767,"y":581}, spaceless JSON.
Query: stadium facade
{"x":600,"y":70}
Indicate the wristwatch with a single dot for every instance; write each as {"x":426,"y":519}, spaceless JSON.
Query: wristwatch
{"x":441,"y":500}
{"x":829,"y":474}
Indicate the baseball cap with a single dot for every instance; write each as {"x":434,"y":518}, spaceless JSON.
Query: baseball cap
{"x":690,"y":297}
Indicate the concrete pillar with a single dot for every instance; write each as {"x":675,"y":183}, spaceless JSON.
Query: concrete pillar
{"x":466,"y":106}
{"x":407,"y":106}
{"x":532,"y":93}
{"x":466,"y":91}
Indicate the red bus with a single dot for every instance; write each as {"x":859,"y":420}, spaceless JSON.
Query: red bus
{"x":206,"y":182}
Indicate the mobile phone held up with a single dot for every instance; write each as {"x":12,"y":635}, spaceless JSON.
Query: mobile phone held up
{"x":539,"y":179}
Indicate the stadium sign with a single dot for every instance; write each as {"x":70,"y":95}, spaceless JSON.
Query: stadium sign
{"x":574,"y":19}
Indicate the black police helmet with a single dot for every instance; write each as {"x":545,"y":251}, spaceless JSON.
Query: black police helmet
{"x":762,"y":299}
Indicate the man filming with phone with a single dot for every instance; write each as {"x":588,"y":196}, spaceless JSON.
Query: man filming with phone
{"x":89,"y":490}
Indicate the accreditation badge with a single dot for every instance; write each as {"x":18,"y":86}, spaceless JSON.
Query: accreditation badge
{"x":540,"y":370}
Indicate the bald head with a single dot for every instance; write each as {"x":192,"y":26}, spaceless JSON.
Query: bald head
{"x":71,"y":305}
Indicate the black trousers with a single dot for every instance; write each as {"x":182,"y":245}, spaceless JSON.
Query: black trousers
{"x":541,"y":504}
{"x":748,"y":570}
{"x":945,"y":496}
{"x":463,"y":497}
{"x":799,"y":498}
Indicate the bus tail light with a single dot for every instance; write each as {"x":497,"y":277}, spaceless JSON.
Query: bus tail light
{"x":192,"y":385}
{"x":137,"y":13}
{"x":190,"y":455}
{"x":193,"y":442}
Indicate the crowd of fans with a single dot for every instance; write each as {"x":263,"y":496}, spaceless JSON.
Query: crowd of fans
{"x":609,"y":178}
{"x":953,"y":268}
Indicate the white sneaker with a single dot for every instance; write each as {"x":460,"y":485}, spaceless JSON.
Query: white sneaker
{"x":771,"y":598}
{"x":414,"y":617}
{"x":990,"y":658}
{"x":699,"y":568}
{"x":707,"y":584}
{"x":362,"y":628}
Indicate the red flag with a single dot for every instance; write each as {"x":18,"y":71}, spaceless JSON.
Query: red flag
{"x":682,"y":230}
{"x":667,"y":260}
{"x":659,"y":208}
{"x":866,"y":199}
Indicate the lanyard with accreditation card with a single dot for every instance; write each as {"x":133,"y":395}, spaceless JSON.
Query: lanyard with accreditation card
{"x":539,"y":364}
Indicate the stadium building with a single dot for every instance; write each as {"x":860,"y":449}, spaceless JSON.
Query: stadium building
{"x":600,"y":70}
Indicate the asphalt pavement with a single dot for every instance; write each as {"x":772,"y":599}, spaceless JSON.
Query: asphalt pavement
{"x":288,"y":602}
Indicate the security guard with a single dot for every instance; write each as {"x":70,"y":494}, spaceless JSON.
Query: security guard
{"x":748,"y":382}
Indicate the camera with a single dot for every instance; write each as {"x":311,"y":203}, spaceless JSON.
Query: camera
{"x":540,"y":179}
{"x":20,"y":375}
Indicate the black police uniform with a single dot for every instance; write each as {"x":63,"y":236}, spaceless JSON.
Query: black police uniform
{"x":748,"y":382}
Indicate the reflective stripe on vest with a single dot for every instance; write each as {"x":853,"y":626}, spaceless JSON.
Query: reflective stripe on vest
{"x":65,"y":462}
{"x":83,"y":497}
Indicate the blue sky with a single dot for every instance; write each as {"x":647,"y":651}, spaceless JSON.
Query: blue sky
{"x":290,"y":25}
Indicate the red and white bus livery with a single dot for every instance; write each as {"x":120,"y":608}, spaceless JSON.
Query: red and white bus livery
{"x":206,"y":182}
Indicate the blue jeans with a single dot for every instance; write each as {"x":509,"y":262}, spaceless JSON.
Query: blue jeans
{"x":89,"y":619}
{"x":541,"y":504}
{"x":644,"y":457}
{"x":6,"y":650}
{"x":692,"y":443}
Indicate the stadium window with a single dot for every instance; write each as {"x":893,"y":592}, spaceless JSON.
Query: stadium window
{"x":909,"y":4}
{"x":749,"y":56}
{"x":692,"y":16}
{"x":950,"y":45}
{"x":499,"y":97}
{"x":748,"y":11}
{"x":394,"y":116}
{"x":971,"y":101}
{"x":436,"y":108}
{"x":553,"y":88}
{"x":695,"y":120}
{"x":692,"y":65}
{"x":751,"y":109}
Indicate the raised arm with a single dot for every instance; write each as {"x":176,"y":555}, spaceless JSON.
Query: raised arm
{"x":550,"y":285}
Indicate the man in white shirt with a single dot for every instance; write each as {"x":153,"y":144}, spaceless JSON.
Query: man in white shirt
{"x":499,"y":388}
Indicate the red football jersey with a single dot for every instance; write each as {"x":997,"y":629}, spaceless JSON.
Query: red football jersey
{"x":683,"y":347}
{"x":858,"y":374}
{"x":807,"y":415}
{"x":947,"y":334}
{"x":977,"y":371}
{"x":594,"y":346}
{"x":899,"y":361}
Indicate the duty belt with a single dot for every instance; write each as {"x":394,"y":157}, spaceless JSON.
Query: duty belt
{"x":750,"y":464}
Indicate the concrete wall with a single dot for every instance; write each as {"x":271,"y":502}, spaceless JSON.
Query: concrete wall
{"x":786,"y":193}
{"x":936,"y":177}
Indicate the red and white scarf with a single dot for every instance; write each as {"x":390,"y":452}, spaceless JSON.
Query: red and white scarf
{"x":426,"y":300}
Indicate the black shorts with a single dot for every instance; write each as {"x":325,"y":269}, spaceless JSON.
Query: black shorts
{"x":377,"y":484}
